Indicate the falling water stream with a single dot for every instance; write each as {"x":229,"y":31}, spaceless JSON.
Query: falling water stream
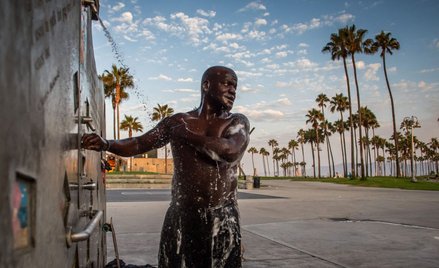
{"x":120,"y":59}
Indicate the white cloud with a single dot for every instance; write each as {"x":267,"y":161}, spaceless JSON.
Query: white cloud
{"x":204,"y":13}
{"x":303,"y":45}
{"x":371,"y":72}
{"x":259,"y":115}
{"x":195,"y":29}
{"x":314,"y":23}
{"x":189,"y":79}
{"x":126,"y":17}
{"x":129,"y":38}
{"x":161,"y":77}
{"x":118,"y":6}
{"x":258,"y":35}
{"x":344,"y":18}
{"x":281,"y":54}
{"x":284,"y":101}
{"x":228,"y":36}
{"x":360,"y":64}
{"x":260,"y":22}
{"x":429,"y":70}
{"x":147,"y":35}
{"x":436,"y":43}
{"x":253,"y":6}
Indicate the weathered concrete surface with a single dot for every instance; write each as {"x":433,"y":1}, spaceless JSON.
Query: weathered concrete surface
{"x":387,"y":227}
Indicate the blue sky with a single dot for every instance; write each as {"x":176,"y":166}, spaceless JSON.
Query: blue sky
{"x":275,"y":48}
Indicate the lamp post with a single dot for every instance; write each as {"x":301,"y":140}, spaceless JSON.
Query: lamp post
{"x":412,"y":122}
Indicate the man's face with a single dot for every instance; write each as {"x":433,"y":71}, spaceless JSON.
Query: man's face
{"x":222,"y":87}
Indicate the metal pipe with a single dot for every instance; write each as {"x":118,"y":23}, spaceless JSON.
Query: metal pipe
{"x":85,"y":234}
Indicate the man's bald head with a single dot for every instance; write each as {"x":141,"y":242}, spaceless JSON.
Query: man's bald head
{"x":215,"y":71}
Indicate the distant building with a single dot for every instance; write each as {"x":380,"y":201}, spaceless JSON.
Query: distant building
{"x":147,"y":162}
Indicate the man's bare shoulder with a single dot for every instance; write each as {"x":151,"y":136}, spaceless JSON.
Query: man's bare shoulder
{"x":239,"y":118}
{"x":239,"y":124}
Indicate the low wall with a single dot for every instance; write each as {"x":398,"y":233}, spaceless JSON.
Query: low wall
{"x":153,"y":181}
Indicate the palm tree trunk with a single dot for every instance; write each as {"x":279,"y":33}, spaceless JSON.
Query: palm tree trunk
{"x":253,"y":163}
{"x":329,"y":156}
{"x":332,"y":158}
{"x":343,"y":154}
{"x":359,"y":119}
{"x":313,"y":160}
{"x":263,"y":164}
{"x":268,"y":165}
{"x":114,"y":122}
{"x":351,"y":123}
{"x":303,"y":160}
{"x":398,"y":173}
{"x":318,"y":150}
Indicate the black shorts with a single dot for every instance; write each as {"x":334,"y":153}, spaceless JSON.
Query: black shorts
{"x":203,"y":237}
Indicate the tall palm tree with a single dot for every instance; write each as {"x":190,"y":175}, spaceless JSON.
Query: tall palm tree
{"x":356,"y":44}
{"x":263,"y":153}
{"x":386,"y":43}
{"x":321,"y":100}
{"x":340,"y":103}
{"x":338,"y":49}
{"x":301,"y":140}
{"x":253,"y":151}
{"x":315,"y":117}
{"x":327,"y":132}
{"x":115,"y":82}
{"x":434,"y":146}
{"x":273,"y":143}
{"x":310,"y":137}
{"x":130,"y":123}
{"x":158,"y":114}
{"x":293,"y":145}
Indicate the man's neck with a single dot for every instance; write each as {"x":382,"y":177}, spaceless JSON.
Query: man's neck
{"x":206,"y":111}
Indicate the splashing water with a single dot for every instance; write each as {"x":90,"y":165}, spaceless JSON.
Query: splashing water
{"x":121,"y":60}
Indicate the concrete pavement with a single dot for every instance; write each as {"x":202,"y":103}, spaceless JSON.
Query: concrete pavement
{"x":314,"y":225}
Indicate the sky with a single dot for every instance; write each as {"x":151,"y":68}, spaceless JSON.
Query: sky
{"x":275,"y":47}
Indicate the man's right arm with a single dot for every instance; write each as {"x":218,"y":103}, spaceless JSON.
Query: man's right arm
{"x":155,"y":138}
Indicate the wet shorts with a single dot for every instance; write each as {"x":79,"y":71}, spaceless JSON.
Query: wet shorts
{"x":203,"y":237}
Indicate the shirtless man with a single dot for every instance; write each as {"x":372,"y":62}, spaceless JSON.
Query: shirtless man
{"x":201,"y":227}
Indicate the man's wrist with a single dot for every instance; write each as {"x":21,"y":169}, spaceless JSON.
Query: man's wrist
{"x":107,"y":145}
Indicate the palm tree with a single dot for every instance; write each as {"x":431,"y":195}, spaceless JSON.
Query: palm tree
{"x":293,"y":146}
{"x":314,"y":117}
{"x":310,"y":137}
{"x":130,"y":123}
{"x":301,"y":140}
{"x":386,"y":43}
{"x":253,"y":151}
{"x":434,"y":146}
{"x":355,"y":44}
{"x":338,"y":49}
{"x":158,"y":114}
{"x":115,"y":82}
{"x":264,"y":153}
{"x":340,"y":103}
{"x":321,"y":100}
{"x":273,"y":143}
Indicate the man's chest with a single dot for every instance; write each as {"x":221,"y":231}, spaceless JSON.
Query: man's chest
{"x":216,"y":127}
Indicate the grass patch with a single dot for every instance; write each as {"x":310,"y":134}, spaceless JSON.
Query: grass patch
{"x":132,"y":173}
{"x":382,"y":182}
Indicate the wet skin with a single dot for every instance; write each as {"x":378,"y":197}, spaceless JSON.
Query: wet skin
{"x":207,"y":144}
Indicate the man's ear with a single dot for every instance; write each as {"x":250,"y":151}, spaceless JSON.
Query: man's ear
{"x":206,"y":85}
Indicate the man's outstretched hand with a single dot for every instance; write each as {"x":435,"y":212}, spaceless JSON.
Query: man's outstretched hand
{"x":94,"y":142}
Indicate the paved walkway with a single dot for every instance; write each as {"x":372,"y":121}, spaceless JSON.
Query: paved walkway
{"x":314,"y":225}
